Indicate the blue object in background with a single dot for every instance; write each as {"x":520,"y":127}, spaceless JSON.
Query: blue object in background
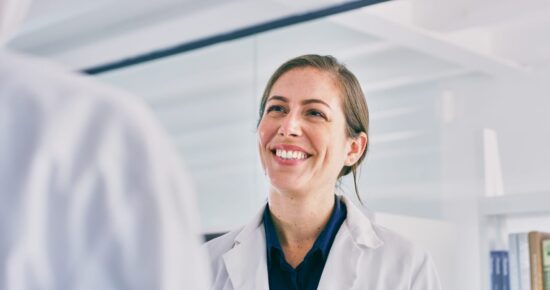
{"x":505,"y":270}
{"x":500,"y":275}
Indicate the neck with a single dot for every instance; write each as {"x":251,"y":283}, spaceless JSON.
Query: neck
{"x":299,"y":219}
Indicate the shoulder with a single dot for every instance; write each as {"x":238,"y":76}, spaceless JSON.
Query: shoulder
{"x":87,"y":127}
{"x":53,"y":99}
{"x":390,"y":252}
{"x":406,"y":259}
{"x":49,"y":88}
{"x":401,"y":250}
{"x":366,"y":232}
{"x":395,"y":242}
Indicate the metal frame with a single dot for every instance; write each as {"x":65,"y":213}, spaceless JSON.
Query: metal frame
{"x":232,"y":35}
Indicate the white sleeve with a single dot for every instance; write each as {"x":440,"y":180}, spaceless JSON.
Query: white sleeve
{"x":426,"y":277}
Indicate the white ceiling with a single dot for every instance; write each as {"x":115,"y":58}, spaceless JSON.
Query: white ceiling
{"x":108,"y":30}
{"x":505,"y":33}
{"x":514,"y":31}
{"x":86,"y":33}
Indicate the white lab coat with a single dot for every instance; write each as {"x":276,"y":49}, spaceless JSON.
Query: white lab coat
{"x":363,"y":256}
{"x":92,"y":193}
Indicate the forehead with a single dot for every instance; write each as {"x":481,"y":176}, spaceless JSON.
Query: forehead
{"x":307,"y":83}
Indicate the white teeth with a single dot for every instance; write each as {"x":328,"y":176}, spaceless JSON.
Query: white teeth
{"x":290,"y":154}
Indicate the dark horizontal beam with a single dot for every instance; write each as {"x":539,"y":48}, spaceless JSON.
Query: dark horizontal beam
{"x":232,"y":35}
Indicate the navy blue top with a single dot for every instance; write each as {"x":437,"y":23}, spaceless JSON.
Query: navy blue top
{"x":307,"y":275}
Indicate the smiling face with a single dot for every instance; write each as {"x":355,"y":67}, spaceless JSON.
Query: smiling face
{"x":303,"y":142}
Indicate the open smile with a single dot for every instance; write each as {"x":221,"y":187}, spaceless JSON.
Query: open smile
{"x":289,"y":154}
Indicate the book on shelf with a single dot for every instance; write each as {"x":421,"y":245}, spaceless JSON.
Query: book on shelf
{"x":513,"y":262}
{"x":546,"y":263}
{"x":535,"y":248}
{"x":499,"y":271}
{"x":505,"y":270}
{"x":526,"y":255}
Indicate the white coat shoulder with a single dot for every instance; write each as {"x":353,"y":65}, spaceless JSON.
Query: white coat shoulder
{"x":396,"y":244}
{"x":401,"y":258}
{"x":52,"y":87}
{"x":94,"y":193}
{"x":389,"y":260}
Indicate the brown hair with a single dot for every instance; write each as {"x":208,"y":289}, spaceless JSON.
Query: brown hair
{"x":355,"y":105}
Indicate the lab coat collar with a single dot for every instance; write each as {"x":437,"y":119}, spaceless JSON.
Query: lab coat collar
{"x":246,"y":262}
{"x":360,"y":226}
{"x":341,"y":271}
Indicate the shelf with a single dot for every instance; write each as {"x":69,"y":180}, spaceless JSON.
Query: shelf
{"x":527,"y":203}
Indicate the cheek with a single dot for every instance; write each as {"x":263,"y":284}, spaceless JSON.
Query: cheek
{"x":266,"y":130}
{"x":336,"y":150}
{"x":264,"y":135}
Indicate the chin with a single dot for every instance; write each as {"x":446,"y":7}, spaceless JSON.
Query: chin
{"x":288,"y":186}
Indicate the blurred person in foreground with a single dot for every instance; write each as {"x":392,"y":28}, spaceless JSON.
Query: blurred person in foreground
{"x":92,"y":195}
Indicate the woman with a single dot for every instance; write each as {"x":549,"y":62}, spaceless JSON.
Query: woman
{"x":312,"y":131}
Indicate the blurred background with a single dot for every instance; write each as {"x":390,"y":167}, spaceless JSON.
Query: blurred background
{"x":458,"y":90}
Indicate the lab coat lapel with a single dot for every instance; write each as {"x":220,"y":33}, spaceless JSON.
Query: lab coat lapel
{"x":340,"y":269}
{"x":355,"y":237}
{"x":246,"y":262}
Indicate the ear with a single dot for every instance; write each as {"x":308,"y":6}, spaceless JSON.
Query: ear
{"x":356,"y":147}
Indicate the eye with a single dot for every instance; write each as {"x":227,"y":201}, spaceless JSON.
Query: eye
{"x":316,"y":113}
{"x":276,"y":108}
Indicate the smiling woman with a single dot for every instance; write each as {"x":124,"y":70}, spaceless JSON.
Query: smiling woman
{"x":347,"y":94}
{"x":312,"y":131}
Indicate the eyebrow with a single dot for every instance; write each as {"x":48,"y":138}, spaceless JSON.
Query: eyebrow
{"x":304,"y":102}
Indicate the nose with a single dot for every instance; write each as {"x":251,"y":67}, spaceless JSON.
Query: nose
{"x":290,"y":126}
